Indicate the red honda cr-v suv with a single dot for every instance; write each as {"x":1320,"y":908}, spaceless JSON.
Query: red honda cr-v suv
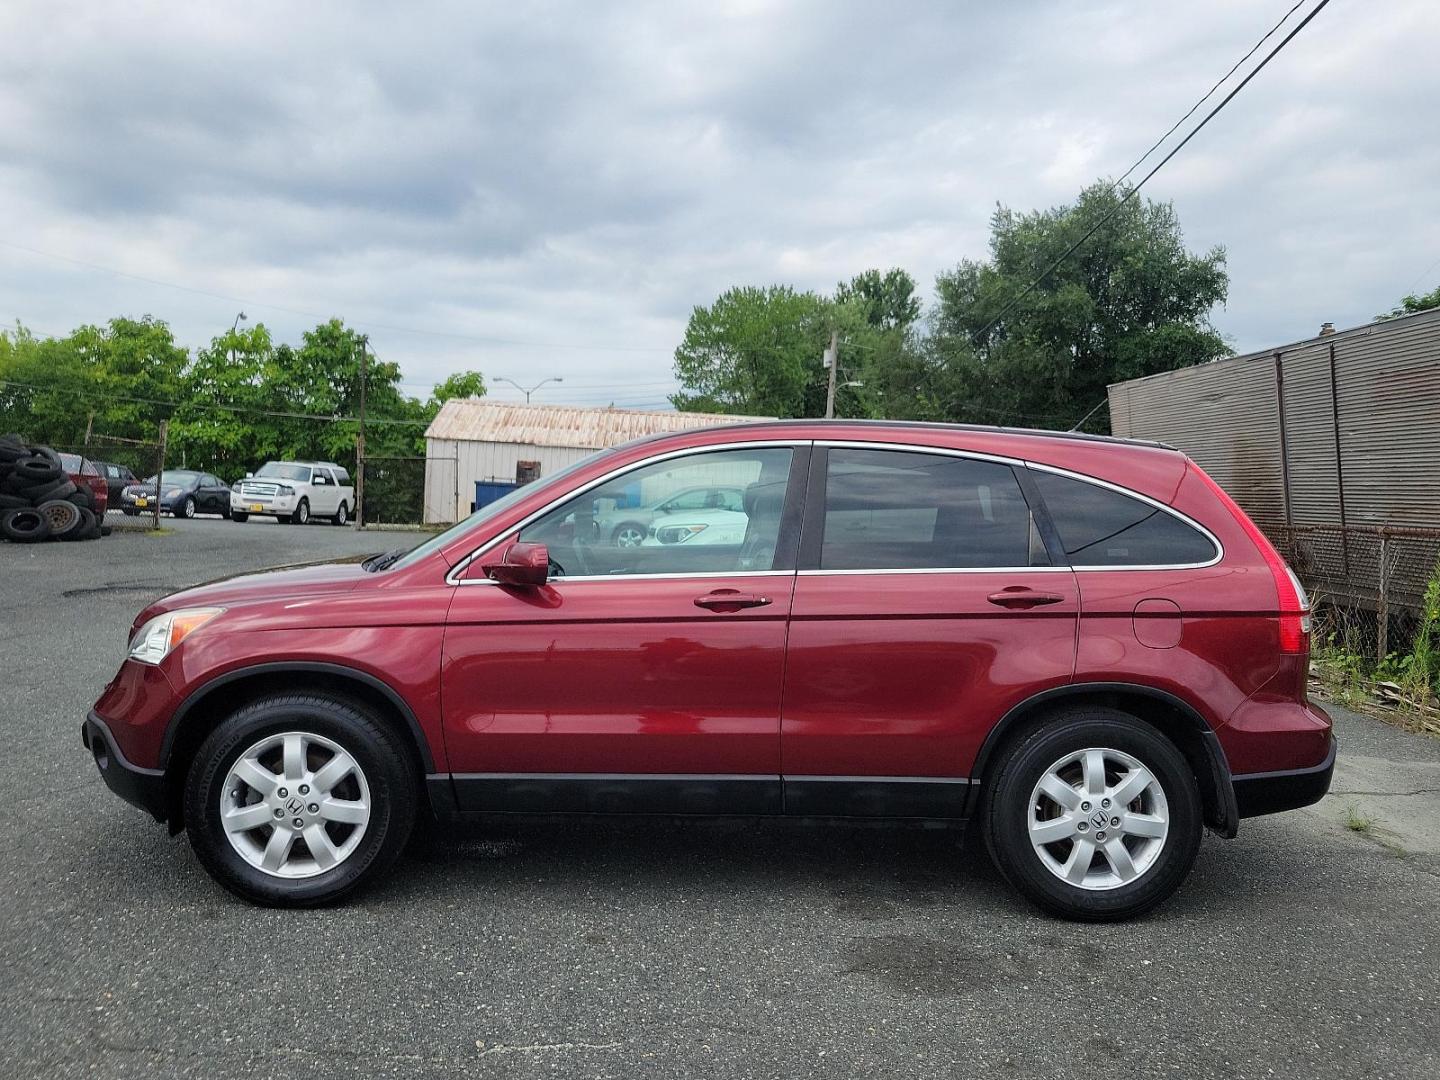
{"x":1079,"y":643}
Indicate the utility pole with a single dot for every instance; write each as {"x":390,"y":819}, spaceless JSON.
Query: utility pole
{"x":360,"y":439}
{"x":160,"y":471}
{"x":832,"y":361}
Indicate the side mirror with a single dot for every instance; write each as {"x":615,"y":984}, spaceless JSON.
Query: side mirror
{"x":520,"y":564}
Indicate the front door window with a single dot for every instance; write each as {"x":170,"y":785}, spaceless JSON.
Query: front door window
{"x":594,"y":534}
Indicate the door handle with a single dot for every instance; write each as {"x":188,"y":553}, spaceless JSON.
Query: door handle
{"x":1019,"y":596}
{"x":730,"y":600}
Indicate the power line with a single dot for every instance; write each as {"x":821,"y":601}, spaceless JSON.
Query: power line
{"x":1221,"y":82}
{"x":250,"y":409}
{"x":480,"y":338}
{"x":1162,"y":163}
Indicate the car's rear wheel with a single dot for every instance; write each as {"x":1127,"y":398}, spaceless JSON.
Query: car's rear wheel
{"x":298,"y":799}
{"x":239,"y":515}
{"x":1094,"y":815}
{"x":342,"y":515}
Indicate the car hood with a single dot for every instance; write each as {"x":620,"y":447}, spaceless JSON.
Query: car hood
{"x":281,"y":583}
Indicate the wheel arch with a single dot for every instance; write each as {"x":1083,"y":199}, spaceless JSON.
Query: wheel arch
{"x":1172,"y":716}
{"x":205,"y":708}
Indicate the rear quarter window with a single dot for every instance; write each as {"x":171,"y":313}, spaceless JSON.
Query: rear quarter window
{"x":1100,"y":526}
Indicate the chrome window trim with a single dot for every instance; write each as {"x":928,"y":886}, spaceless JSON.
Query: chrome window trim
{"x":940,"y":570}
{"x":945,"y":451}
{"x":453,"y":577}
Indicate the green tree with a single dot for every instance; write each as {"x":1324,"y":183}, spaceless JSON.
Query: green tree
{"x":755,"y":351}
{"x":459,"y":384}
{"x":1131,"y":301}
{"x":1411,"y":304}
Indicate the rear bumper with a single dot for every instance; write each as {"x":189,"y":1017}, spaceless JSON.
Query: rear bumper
{"x":144,"y":788}
{"x":1289,"y":789}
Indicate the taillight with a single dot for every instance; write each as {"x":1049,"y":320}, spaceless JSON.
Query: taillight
{"x":1294,"y":604}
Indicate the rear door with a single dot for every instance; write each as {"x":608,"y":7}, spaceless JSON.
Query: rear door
{"x":926,"y":605}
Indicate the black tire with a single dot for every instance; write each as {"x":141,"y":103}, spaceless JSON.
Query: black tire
{"x":342,"y":515}
{"x":24,"y":526}
{"x":63,"y":515}
{"x":621,"y":535}
{"x":301,"y":516}
{"x":1006,"y":812}
{"x":129,"y":511}
{"x":13,"y":502}
{"x":384,"y":757}
{"x":37,"y":470}
{"x":82,"y":496}
{"x":239,"y":515}
{"x":87,"y":529}
{"x":186,"y":509}
{"x":38,"y":493}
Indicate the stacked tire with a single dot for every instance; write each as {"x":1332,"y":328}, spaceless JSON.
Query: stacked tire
{"x":38,"y":500}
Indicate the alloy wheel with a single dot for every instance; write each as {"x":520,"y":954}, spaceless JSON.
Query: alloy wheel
{"x":1098,"y":819}
{"x":629,"y":537}
{"x":295,"y":805}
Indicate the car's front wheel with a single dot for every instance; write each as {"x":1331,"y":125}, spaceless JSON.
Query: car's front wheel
{"x":239,"y":515}
{"x":187,"y":508}
{"x":297,"y":799}
{"x":301,"y":516}
{"x":1095,"y":815}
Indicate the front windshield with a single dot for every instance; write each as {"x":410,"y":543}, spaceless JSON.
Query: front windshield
{"x":172,"y":477}
{"x":488,"y":511}
{"x":277,"y":471}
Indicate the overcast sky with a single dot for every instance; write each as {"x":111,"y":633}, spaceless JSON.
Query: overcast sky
{"x":548,"y":189}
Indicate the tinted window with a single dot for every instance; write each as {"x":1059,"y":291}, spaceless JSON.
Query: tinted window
{"x":895,"y":510}
{"x":342,"y":477}
{"x":1101,"y":527}
{"x":584,"y":540}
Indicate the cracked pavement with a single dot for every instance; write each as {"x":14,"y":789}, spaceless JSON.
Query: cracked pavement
{"x":630,"y":949}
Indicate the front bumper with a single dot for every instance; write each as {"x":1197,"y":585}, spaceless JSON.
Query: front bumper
{"x":1289,"y":789}
{"x":268,"y":504}
{"x":144,"y":788}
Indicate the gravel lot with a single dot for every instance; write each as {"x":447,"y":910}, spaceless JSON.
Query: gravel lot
{"x":1301,"y":949}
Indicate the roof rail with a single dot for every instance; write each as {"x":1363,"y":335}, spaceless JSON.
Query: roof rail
{"x":922,"y":425}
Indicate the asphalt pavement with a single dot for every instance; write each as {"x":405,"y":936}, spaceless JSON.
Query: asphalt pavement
{"x":1307,"y":947}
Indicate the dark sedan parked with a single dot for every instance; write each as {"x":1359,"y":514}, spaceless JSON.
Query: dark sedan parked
{"x":117,"y":478}
{"x":183,"y":493}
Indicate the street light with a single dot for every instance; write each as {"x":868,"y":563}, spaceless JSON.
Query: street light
{"x":530,"y":390}
{"x":238,"y":319}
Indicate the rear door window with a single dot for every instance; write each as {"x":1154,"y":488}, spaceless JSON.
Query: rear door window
{"x":900,"y":510}
{"x":1102,"y":527}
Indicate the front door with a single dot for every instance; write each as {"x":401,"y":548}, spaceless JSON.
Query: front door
{"x":641,"y":678}
{"x":925,"y":607}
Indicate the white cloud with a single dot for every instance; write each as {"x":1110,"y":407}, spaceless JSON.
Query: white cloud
{"x":577,"y":176}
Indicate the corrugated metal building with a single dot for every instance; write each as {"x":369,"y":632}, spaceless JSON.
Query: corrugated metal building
{"x":474,"y":440}
{"x":1331,"y":444}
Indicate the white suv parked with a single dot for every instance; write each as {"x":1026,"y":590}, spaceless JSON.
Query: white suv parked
{"x":294,"y":491}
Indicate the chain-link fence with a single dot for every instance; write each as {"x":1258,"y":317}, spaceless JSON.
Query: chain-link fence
{"x":1367,"y":582}
{"x":123,"y":462}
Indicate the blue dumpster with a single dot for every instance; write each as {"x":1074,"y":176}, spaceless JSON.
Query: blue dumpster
{"x":487,"y":491}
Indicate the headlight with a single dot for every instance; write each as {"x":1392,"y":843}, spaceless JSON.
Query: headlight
{"x":173,"y":493}
{"x":678,"y":534}
{"x":161,"y":635}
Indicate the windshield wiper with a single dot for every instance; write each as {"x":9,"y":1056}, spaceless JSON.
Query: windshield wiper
{"x":379,"y":562}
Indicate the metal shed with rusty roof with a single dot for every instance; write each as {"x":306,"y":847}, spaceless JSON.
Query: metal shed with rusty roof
{"x":504,"y":444}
